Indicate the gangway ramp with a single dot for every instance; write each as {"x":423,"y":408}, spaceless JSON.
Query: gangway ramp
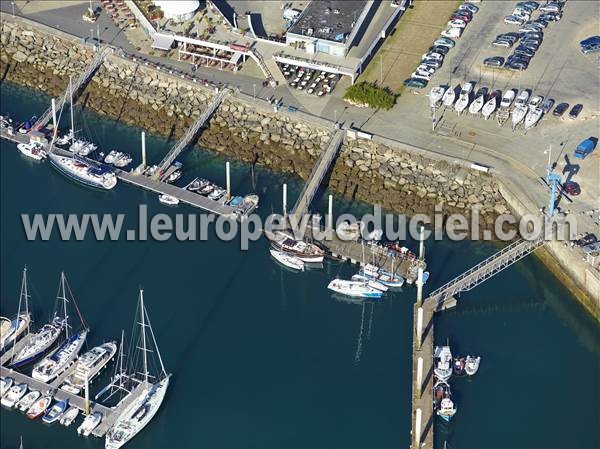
{"x":80,"y":82}
{"x":318,"y":173}
{"x":190,"y":134}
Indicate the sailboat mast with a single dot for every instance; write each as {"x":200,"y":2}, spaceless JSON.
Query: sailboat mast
{"x":143,"y":324}
{"x":72,"y":119}
{"x":121,"y":354}
{"x":162,"y":366}
{"x":64,"y":298}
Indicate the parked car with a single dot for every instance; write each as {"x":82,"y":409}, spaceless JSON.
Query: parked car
{"x":575,"y":111}
{"x":524,"y":51}
{"x":550,"y":7}
{"x":514,"y":20}
{"x":503,"y":43}
{"x":592,"y":48}
{"x":547,"y":105}
{"x":572,"y":188}
{"x":590,"y":41}
{"x":531,"y":45}
{"x":530,"y":5}
{"x":462,"y":17}
{"x":585,"y":148}
{"x":441,"y":49}
{"x":550,"y":17}
{"x":453,"y":32}
{"x":531,"y":27}
{"x":468,"y":7}
{"x":421,"y":75}
{"x":494,"y":61}
{"x":560,"y":109}
{"x":457,"y":23}
{"x":444,"y":41}
{"x":533,"y":35}
{"x":518,"y":65}
{"x":425,"y":68}
{"x":414,"y":82}
{"x":463,"y":12}
{"x":541,"y":23}
{"x":433,"y":55}
{"x":432,"y":63}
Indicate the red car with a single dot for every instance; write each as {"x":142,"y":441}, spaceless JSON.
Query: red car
{"x":572,"y":188}
{"x":462,"y":17}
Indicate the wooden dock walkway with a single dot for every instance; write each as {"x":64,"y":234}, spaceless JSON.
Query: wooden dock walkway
{"x":14,"y":350}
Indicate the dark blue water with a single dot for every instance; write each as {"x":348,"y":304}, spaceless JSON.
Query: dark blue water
{"x":265,"y":358}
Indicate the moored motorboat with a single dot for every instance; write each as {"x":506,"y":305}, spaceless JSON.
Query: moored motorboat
{"x":442,"y":362}
{"x":472,"y":365}
{"x":444,"y":406}
{"x":122,"y":160}
{"x":65,"y":138}
{"x":5,"y":385}
{"x":33,"y":150}
{"x":217,"y":193}
{"x":382,"y":276}
{"x":69,"y":416}
{"x":88,"y":366}
{"x":349,"y":231}
{"x":287,"y":259}
{"x":174,"y":176}
{"x":356,"y":289}
{"x":56,"y":411}
{"x":110,"y":157}
{"x":287,"y":243}
{"x":89,"y":424}
{"x":168,"y":199}
{"x":371,"y":283}
{"x":27,"y":401}
{"x":39,"y":407}
{"x":13,"y":395}
{"x":57,"y":362}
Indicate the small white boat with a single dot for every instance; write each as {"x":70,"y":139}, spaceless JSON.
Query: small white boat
{"x":449,"y":97}
{"x":14,"y":395}
{"x":55,"y":412}
{"x":217,"y":193}
{"x":288,"y":260}
{"x":464,"y":98}
{"x":376,"y":285}
{"x":436,"y":95}
{"x":28,"y":400}
{"x":69,"y":416}
{"x":65,"y":138}
{"x":477,"y":105}
{"x":507,"y":98}
{"x":34,"y":150}
{"x":110,"y":157}
{"x":122,"y":160}
{"x":174,"y":176}
{"x":443,"y":362}
{"x":443,"y":404}
{"x":5,"y":384}
{"x":472,"y":365}
{"x":491,"y":105}
{"x":168,"y":199}
{"x":535,"y":102}
{"x":356,"y":289}
{"x":533,"y":117}
{"x":349,"y":231}
{"x":39,"y":407}
{"x":89,"y":424}
{"x":518,"y":114}
{"x":522,"y":98}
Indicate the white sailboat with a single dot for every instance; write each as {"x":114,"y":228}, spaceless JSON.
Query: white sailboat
{"x":518,"y":114}
{"x":477,"y":104}
{"x":449,"y":97}
{"x":464,"y":98}
{"x":12,"y":330}
{"x":169,"y":200}
{"x":436,"y":95}
{"x":356,"y":289}
{"x":287,"y":259}
{"x":139,"y":413}
{"x":491,"y":105}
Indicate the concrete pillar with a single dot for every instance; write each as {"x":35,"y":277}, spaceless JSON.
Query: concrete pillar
{"x":143,"y":149}
{"x":54,"y":124}
{"x":419,"y":327}
{"x":285,"y":200}
{"x":419,"y":377}
{"x":228,"y":174}
{"x":418,"y":418}
{"x":86,"y":410}
{"x":422,"y":243}
{"x":420,"y":287}
{"x":330,"y":213}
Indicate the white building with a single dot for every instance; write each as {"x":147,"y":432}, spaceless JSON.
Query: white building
{"x":178,"y":10}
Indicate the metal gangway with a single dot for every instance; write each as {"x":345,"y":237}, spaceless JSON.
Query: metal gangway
{"x":484,"y":270}
{"x":76,"y":86}
{"x":190,"y":133}
{"x":316,"y":177}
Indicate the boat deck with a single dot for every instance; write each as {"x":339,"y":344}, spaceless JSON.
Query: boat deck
{"x":13,"y":350}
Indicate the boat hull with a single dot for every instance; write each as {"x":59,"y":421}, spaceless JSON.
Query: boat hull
{"x":79,"y":179}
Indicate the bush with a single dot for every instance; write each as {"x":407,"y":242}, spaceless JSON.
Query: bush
{"x":371,"y":95}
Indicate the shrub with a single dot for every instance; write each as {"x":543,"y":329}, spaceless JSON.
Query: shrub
{"x":370,"y":95}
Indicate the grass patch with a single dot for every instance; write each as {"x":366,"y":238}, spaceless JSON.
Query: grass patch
{"x":371,"y":95}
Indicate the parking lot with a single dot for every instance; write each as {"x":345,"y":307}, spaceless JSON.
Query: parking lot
{"x":312,"y":82}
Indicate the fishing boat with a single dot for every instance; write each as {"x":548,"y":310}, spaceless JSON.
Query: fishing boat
{"x":442,"y":362}
{"x":376,"y":285}
{"x":491,"y":105}
{"x":382,"y":276}
{"x":287,"y":260}
{"x":27,"y":401}
{"x":168,"y":199}
{"x":89,"y":424}
{"x":54,"y":413}
{"x":464,"y":98}
{"x":436,"y":95}
{"x":458,"y":367}
{"x":477,"y":104}
{"x":33,"y":150}
{"x":472,"y":365}
{"x":356,"y":289}
{"x":5,"y":385}
{"x":84,"y":172}
{"x":139,"y":413}
{"x":449,"y":97}
{"x":444,"y":405}
{"x":69,"y":416}
{"x":15,"y":330}
{"x":88,"y":366}
{"x":39,"y":407}
{"x":287,"y":243}
{"x":52,"y":366}
{"x":13,"y":395}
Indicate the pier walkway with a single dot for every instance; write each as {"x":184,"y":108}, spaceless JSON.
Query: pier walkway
{"x":422,"y":433}
{"x":189,"y":135}
{"x":76,"y":86}
{"x":320,"y":169}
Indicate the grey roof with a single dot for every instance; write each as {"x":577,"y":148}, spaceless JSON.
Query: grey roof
{"x":330,"y":20}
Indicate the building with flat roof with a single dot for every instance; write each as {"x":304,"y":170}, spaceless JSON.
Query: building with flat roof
{"x":328,"y":26}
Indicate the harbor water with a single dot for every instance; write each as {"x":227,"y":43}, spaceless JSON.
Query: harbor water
{"x":266,"y":358}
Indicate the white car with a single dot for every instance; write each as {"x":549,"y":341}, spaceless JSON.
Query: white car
{"x":433,"y":55}
{"x":457,"y":23}
{"x":468,"y":7}
{"x":513,"y":20}
{"x":550,"y":7}
{"x":425,"y":69}
{"x":452,"y":32}
{"x":420,"y":75}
